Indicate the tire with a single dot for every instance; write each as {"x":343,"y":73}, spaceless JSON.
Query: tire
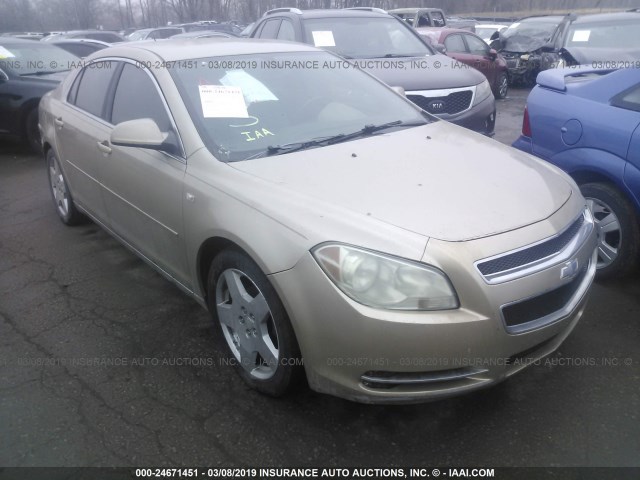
{"x":254,"y":326}
{"x":62,"y":199}
{"x":617,"y":227}
{"x":502,"y":86}
{"x":32,"y":132}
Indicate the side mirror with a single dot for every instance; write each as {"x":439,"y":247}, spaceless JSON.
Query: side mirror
{"x":495,"y":36}
{"x":141,"y":133}
{"x":440,"y":48}
{"x":399,"y":90}
{"x":493,"y":54}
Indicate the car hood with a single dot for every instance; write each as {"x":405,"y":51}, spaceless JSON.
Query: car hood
{"x":440,"y":181}
{"x":422,"y":73}
{"x":584,"y":56}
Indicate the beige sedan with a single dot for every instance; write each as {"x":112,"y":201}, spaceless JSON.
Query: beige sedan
{"x":335,"y":231}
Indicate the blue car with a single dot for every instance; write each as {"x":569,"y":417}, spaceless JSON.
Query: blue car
{"x":586,"y":121}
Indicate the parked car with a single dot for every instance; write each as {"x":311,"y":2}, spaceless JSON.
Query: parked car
{"x":28,"y":70}
{"x":470,"y":49}
{"x":607,"y":39}
{"x":421,"y":17}
{"x":205,"y":34}
{"x":432,"y":17}
{"x":394,"y":52}
{"x":586,"y":121}
{"x":102,"y":35}
{"x":155,"y":33}
{"x":330,"y":226}
{"x":528,"y":46}
{"x":487,"y":30}
{"x":80,"y":47}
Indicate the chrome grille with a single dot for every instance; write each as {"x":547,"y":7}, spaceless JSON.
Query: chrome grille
{"x":531,"y":254}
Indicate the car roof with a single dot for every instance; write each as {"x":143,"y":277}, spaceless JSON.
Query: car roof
{"x":542,"y":19}
{"x":185,"y":49}
{"x":19,"y":41}
{"x":329,"y":13}
{"x":414,"y":10}
{"x":80,"y":40}
{"x":606,"y":17}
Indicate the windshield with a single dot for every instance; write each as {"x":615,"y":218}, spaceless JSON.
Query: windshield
{"x":243,"y":105}
{"x":613,"y":34}
{"x":364,"y":37}
{"x":139,"y":35}
{"x":528,"y":36}
{"x":39,"y":58}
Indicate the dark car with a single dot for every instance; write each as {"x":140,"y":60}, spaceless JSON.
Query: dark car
{"x":80,"y":47}
{"x":607,"y":39}
{"x":388,"y":48}
{"x":529,"y":46}
{"x":586,"y":121}
{"x":470,"y":49}
{"x":155,"y":33}
{"x":28,"y":70}
{"x":102,"y":35}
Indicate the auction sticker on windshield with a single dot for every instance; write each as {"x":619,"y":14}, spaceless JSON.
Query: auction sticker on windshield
{"x":323,"y":38}
{"x":220,"y":101}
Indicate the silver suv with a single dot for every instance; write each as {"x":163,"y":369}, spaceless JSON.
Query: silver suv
{"x":385,"y":46}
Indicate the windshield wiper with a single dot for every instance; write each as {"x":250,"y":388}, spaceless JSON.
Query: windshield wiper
{"x":294,"y":146}
{"x":43,"y":72}
{"x":371,"y":129}
{"x":331,"y":140}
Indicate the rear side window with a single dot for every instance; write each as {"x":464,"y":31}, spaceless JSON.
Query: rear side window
{"x":93,"y":88}
{"x":137,"y":97}
{"x":455,"y":43}
{"x":286,"y":31}
{"x":270,"y":29}
{"x":629,"y":99}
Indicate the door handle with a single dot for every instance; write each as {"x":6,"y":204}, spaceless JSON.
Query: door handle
{"x":104,"y":147}
{"x":58,"y":122}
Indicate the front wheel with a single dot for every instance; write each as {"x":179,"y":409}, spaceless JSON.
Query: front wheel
{"x":254,"y":324}
{"x":501,"y":86}
{"x":65,"y":208}
{"x":617,"y":228}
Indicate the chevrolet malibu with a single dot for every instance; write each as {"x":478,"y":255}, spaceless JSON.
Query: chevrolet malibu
{"x":335,"y":231}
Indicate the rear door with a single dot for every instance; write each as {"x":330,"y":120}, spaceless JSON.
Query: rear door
{"x":80,"y":127}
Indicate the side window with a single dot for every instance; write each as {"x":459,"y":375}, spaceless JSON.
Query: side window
{"x":629,"y":99}
{"x":455,"y":43}
{"x":438,"y":19}
{"x":93,"y":87}
{"x":423,"y":21}
{"x":476,"y":45}
{"x":73,"y":91}
{"x":137,"y":97}
{"x":287,"y":31}
{"x":270,"y":29}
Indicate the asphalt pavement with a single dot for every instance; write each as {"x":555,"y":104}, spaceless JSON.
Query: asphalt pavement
{"x":105,"y":363}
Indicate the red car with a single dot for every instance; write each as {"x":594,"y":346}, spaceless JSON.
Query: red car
{"x":469,"y":48}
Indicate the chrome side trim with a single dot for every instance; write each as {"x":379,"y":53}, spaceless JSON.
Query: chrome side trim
{"x":421,"y":378}
{"x":542,"y":263}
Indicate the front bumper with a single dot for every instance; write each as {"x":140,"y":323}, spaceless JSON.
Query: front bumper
{"x":380,"y":356}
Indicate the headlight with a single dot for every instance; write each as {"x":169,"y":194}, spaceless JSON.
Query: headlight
{"x":482,"y":91}
{"x":383,"y":281}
